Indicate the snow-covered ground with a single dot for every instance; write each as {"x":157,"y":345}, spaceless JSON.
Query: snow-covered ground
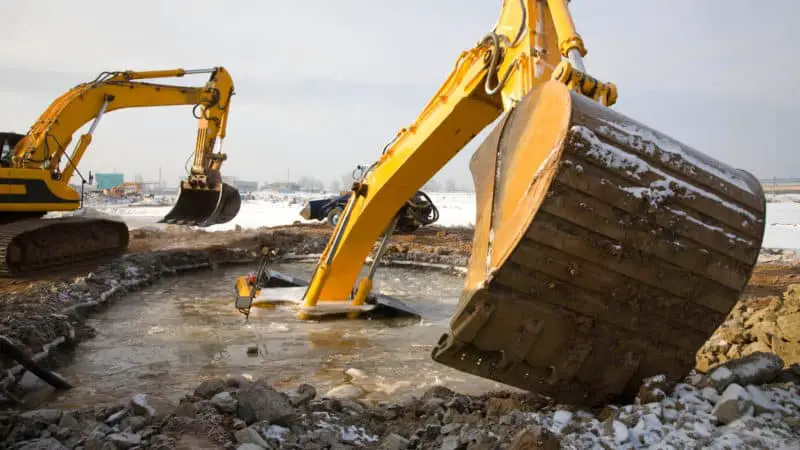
{"x":455,"y":209}
{"x":273,"y":208}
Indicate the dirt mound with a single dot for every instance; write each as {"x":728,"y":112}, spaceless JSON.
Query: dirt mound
{"x":766,"y":324}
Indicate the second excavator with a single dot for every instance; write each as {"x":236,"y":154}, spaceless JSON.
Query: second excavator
{"x":604,"y":251}
{"x":36,"y":168}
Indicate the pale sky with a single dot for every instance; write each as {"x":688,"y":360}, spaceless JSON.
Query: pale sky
{"x":322,"y":85}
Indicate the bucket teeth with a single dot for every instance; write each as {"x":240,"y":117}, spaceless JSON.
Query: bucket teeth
{"x":204,"y":207}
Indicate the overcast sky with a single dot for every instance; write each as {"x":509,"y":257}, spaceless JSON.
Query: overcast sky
{"x":323,"y":85}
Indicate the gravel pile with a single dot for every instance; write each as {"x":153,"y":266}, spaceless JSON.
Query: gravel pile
{"x":752,"y":402}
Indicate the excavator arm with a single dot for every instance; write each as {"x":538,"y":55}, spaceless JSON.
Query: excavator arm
{"x":45,"y":148}
{"x":36,"y":170}
{"x":525,"y":50}
{"x":604,"y":251}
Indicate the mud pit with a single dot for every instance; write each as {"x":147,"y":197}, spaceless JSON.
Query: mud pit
{"x":127,"y":351}
{"x":167,"y":338}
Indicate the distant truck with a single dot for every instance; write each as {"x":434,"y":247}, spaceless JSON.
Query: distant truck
{"x":417,"y":212}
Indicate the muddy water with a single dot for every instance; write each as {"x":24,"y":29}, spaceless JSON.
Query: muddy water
{"x":166,"y":339}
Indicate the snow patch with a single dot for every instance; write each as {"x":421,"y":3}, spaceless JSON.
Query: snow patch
{"x":647,"y":141}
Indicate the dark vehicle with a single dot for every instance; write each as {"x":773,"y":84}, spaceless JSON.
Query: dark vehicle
{"x":417,"y":212}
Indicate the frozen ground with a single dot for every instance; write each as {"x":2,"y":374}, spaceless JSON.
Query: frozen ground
{"x":455,"y":209}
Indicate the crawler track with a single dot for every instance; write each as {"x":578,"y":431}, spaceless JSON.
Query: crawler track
{"x":31,"y":246}
{"x":617,"y":262}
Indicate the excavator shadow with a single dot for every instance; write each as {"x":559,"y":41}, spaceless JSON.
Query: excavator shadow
{"x":278,"y":289}
{"x":204,"y":207}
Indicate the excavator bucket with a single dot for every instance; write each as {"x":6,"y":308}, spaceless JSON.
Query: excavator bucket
{"x":204,"y":207}
{"x":604,"y":252}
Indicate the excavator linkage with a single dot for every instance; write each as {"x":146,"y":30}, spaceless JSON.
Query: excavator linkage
{"x":204,"y":207}
{"x":604,"y":252}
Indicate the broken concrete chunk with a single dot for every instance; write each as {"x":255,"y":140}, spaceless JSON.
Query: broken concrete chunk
{"x":734,"y":404}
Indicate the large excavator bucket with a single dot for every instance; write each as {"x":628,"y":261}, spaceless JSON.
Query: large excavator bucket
{"x":204,"y":207}
{"x":604,"y":252}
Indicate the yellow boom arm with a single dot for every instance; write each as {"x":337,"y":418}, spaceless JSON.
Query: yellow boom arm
{"x":533,"y":42}
{"x":45,"y":145}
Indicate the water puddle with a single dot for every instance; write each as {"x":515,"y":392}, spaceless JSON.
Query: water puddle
{"x":166,"y":339}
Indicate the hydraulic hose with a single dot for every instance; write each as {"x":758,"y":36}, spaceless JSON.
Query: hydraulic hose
{"x":415,"y":207}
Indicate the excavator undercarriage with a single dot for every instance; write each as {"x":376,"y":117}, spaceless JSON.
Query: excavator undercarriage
{"x":30,"y":246}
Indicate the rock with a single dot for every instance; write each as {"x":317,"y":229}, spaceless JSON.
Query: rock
{"x":620,"y":432}
{"x":155,"y":408}
{"x":210,"y":388}
{"x":355,"y":374}
{"x":534,"y":438}
{"x":734,"y":404}
{"x":450,"y":443}
{"x":259,"y":402}
{"x":303,"y":394}
{"x":761,"y":404}
{"x":114,"y":418}
{"x":394,"y":442}
{"x":757,"y":346}
{"x":653,"y":389}
{"x":134,"y":424}
{"x":451,"y":428}
{"x":496,"y":407}
{"x":69,"y":422}
{"x":186,"y":409}
{"x":32,"y":383}
{"x":345,"y":391}
{"x":719,"y":378}
{"x":250,"y":446}
{"x":432,"y":405}
{"x":756,"y":368}
{"x":225,"y":402}
{"x":42,"y":415}
{"x":238,"y":424}
{"x":42,"y":444}
{"x":789,"y":326}
{"x":125,"y":440}
{"x":250,"y":436}
{"x":710,"y":394}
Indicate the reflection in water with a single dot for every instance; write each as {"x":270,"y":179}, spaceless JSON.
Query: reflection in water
{"x":166,"y":339}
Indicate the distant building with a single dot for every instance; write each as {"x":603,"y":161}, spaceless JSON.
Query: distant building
{"x":108,"y":180}
{"x":242,"y":185}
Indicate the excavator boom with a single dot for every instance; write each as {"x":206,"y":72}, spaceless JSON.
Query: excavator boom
{"x":604,"y":251}
{"x":39,"y":165}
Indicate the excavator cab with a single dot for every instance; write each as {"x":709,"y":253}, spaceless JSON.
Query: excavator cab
{"x":204,"y":207}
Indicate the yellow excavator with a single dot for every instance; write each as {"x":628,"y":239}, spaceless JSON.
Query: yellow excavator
{"x":604,"y":251}
{"x":35,"y":170}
